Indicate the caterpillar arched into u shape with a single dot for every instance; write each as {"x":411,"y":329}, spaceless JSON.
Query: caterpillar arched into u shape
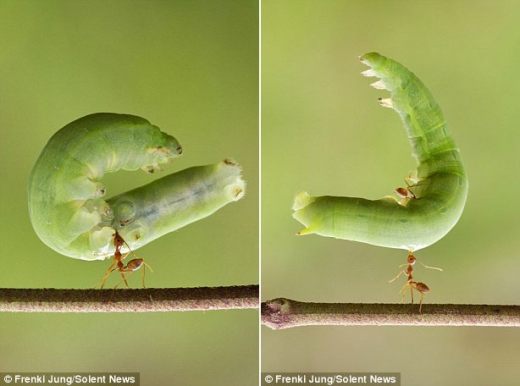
{"x":65,"y":191}
{"x":438,"y":189}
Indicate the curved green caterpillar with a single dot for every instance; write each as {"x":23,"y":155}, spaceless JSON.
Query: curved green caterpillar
{"x":65,"y":194}
{"x":434,"y":201}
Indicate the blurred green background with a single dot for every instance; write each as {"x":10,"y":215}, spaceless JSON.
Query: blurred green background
{"x":323,"y":131}
{"x":191,"y":68}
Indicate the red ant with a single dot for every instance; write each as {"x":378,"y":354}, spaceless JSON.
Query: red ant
{"x":408,"y":193}
{"x":117,"y":264}
{"x":419,"y":287}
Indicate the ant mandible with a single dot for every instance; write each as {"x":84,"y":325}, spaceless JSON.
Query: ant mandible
{"x":419,"y":287}
{"x":118,"y":265}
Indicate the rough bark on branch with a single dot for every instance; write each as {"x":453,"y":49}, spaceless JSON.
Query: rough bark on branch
{"x":128,"y":300}
{"x":285,"y":313}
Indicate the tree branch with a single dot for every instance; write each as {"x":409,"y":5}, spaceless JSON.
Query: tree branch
{"x":285,"y":313}
{"x":129,"y":300}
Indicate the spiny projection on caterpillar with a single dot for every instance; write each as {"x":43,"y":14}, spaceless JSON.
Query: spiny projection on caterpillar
{"x":66,"y":196}
{"x":431,"y":204}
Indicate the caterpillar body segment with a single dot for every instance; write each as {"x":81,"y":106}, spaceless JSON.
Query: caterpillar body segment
{"x":440,"y":185}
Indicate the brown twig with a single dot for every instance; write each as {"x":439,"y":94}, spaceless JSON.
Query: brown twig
{"x":285,"y":313}
{"x":129,"y":300}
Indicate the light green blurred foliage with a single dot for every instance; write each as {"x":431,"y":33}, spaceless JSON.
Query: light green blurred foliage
{"x":323,"y":131}
{"x":191,"y":68}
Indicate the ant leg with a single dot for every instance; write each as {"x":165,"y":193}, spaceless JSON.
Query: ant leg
{"x":144,"y":269}
{"x":107,"y":273}
{"x":117,"y":265}
{"x":395,"y":278}
{"x":144,"y":273}
{"x":399,"y":274}
{"x":124,"y":279}
{"x":412,"y":180}
{"x":422,"y":289}
{"x":134,"y":265}
{"x":402,"y":292}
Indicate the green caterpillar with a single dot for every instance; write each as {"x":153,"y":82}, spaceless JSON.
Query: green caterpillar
{"x":65,"y":195}
{"x":432,"y":204}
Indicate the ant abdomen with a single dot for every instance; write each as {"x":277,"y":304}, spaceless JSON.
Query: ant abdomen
{"x":422,"y":288}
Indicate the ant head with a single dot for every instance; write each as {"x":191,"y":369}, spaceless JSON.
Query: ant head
{"x":411,"y":258}
{"x":118,"y":240}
